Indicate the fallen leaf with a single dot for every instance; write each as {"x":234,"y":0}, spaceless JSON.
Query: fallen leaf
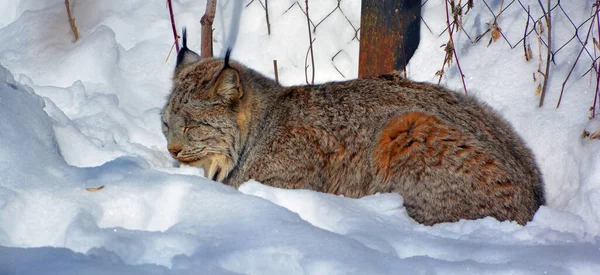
{"x":94,"y":189}
{"x":585,"y":134}
{"x":495,"y":34}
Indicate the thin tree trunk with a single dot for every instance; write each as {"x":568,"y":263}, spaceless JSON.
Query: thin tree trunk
{"x":207,"y":22}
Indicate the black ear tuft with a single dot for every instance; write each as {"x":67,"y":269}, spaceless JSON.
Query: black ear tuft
{"x":185,"y":55}
{"x":227,"y":55}
{"x":184,"y":39}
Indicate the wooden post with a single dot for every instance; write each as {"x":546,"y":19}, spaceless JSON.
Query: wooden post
{"x":389,"y":35}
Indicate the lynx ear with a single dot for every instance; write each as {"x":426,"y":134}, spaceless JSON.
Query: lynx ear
{"x":185,"y":55}
{"x":228,"y":86}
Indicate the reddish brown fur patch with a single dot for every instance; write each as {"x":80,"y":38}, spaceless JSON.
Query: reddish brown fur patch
{"x":402,"y":135}
{"x":243,"y":115}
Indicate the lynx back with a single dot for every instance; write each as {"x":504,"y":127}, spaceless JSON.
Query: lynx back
{"x":450,"y":156}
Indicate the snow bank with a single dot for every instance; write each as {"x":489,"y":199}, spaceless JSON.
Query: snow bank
{"x":87,"y":115}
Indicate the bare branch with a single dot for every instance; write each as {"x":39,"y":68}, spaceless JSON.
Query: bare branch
{"x":267,"y":14}
{"x":562,"y":90}
{"x":207,"y":20}
{"x":276,"y":72}
{"x":527,"y":53}
{"x":72,"y":21}
{"x":312,"y":58}
{"x":175,"y":36}
{"x":451,"y":50}
{"x":597,"y":93}
{"x":548,"y":19}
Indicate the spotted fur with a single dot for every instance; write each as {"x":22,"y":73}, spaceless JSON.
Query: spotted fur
{"x":450,"y":156}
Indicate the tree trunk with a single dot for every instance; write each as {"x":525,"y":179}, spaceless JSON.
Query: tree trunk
{"x":207,"y":20}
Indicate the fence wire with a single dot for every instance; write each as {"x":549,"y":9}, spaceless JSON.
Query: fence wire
{"x":323,"y":16}
{"x":535,"y":25}
{"x":526,"y":26}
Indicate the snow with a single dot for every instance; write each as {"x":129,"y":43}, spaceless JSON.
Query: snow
{"x":87,"y":114}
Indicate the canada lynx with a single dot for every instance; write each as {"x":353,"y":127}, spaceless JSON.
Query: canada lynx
{"x":449,"y":156}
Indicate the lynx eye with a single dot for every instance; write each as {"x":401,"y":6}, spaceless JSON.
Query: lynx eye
{"x":186,"y":129}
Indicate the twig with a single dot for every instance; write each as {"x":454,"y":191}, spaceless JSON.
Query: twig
{"x":548,"y":19}
{"x":276,"y":73}
{"x":170,"y":51}
{"x":501,"y":10}
{"x":597,"y":93}
{"x":72,"y":21}
{"x":403,"y":56}
{"x":525,"y":36}
{"x":306,"y":63}
{"x":447,"y":60}
{"x":267,"y":14}
{"x":595,"y":135}
{"x":576,"y":60}
{"x":175,"y":36}
{"x":450,"y":33}
{"x":312,"y":58}
{"x":538,"y":89}
{"x":207,"y":20}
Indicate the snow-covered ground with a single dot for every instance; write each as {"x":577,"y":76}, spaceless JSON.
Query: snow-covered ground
{"x":87,"y":114}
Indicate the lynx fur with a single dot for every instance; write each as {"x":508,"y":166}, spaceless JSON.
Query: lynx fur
{"x":450,"y":156}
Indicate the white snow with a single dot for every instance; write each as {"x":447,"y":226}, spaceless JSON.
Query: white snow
{"x":87,"y":114}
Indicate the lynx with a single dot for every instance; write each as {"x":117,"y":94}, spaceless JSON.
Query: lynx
{"x":450,"y":156}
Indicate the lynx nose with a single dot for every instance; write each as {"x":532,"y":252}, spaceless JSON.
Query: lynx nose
{"x":174,"y":150}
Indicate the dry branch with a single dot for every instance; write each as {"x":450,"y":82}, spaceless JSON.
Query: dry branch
{"x":207,"y":20}
{"x":562,"y":90}
{"x":451,"y":50}
{"x":403,"y":57}
{"x":312,"y":58}
{"x":276,"y":72}
{"x":525,"y":51}
{"x":548,"y":19}
{"x":597,"y":93}
{"x":267,"y":15}
{"x":595,"y":135}
{"x":175,"y":36}
{"x":72,"y":21}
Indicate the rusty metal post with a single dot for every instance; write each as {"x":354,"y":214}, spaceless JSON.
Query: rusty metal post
{"x":389,"y":35}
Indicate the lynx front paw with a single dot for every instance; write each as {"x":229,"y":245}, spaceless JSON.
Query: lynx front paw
{"x":216,"y":167}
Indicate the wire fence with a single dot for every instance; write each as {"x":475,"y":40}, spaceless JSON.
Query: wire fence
{"x":538,"y":21}
{"x":318,"y":19}
{"x":521,"y":24}
{"x":535,"y":24}
{"x":334,"y":12}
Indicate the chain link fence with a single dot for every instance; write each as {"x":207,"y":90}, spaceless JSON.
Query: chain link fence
{"x":531,"y":24}
{"x":534,"y":23}
{"x":330,"y":12}
{"x":521,"y":24}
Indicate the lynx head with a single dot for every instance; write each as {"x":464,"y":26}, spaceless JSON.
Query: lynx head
{"x":201,"y":120}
